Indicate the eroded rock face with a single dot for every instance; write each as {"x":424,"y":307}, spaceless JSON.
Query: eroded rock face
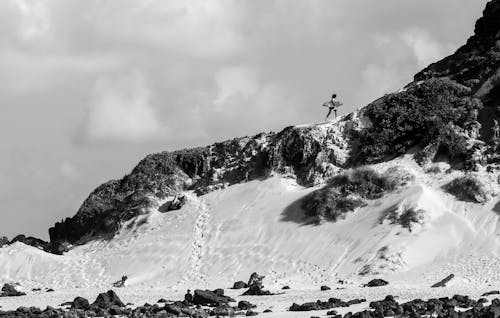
{"x":3,"y":241}
{"x":310,"y":153}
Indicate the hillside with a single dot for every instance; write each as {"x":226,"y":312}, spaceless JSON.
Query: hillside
{"x":407,"y":189}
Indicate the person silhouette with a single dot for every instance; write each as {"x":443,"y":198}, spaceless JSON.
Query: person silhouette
{"x":332,"y":105}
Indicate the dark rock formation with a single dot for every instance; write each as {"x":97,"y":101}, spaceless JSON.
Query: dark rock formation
{"x":240,"y":285}
{"x":80,"y":303}
{"x":210,"y":298}
{"x":443,"y":282}
{"x":493,"y":292}
{"x":376,"y":282}
{"x":245,"y":305}
{"x":9,"y":290}
{"x":107,"y":300}
{"x":3,"y":241}
{"x":323,"y":305}
{"x":222,"y":310}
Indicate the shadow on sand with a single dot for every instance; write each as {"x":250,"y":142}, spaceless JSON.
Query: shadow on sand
{"x":294,"y":213}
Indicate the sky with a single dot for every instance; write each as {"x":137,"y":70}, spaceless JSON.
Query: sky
{"x":89,"y":87}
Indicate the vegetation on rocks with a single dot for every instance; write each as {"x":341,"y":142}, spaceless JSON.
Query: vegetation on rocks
{"x":424,"y":114}
{"x":346,"y":192}
{"x":466,"y":188}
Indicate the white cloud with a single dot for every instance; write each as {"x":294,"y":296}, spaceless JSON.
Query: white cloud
{"x":120,"y":110}
{"x":69,"y":171}
{"x":424,"y":47}
{"x":35,"y":19}
{"x":239,"y":81}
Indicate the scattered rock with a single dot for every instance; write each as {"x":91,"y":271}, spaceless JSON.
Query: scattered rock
{"x":285,"y":287}
{"x":251,"y":313}
{"x":331,"y":313}
{"x":267,"y":310}
{"x":49,"y":290}
{"x":324,"y":287}
{"x":376,"y":282}
{"x":443,"y":282}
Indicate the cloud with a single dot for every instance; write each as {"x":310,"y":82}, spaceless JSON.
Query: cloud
{"x":120,"y":110}
{"x":69,"y":171}
{"x":235,"y":82}
{"x":424,"y":47}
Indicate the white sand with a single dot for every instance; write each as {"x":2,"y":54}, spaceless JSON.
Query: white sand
{"x":226,"y":235}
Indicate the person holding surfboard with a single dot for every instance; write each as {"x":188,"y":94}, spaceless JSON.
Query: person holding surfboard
{"x":332,"y":105}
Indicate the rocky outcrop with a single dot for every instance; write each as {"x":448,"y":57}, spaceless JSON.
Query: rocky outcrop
{"x":3,"y":241}
{"x":310,"y":153}
{"x":447,"y":111}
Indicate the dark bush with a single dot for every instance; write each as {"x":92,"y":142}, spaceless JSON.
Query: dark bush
{"x":346,"y":192}
{"x":466,"y":188}
{"x":424,"y":114}
{"x":405,"y":216}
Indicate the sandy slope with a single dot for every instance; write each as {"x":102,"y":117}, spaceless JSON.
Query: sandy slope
{"x":224,"y":236}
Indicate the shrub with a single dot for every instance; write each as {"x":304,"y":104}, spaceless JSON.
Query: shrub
{"x":403,"y":215}
{"x":466,"y":188}
{"x":345,"y":192}
{"x":423,"y":114}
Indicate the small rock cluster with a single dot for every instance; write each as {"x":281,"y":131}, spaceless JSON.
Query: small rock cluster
{"x":323,"y":305}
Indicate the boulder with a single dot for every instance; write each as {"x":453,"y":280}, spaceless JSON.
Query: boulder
{"x":80,"y":303}
{"x":106,"y":300}
{"x":245,"y":305}
{"x":376,"y":282}
{"x":324,"y":287}
{"x":173,"y":309}
{"x":251,"y":313}
{"x":9,"y":290}
{"x":210,"y":298}
{"x":240,"y":285}
{"x":222,"y":310}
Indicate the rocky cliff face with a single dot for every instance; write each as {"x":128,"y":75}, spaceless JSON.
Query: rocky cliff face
{"x":447,"y":111}
{"x":309,"y":153}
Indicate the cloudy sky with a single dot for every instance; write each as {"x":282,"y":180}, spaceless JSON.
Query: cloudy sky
{"x":90,"y":87}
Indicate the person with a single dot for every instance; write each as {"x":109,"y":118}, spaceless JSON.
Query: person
{"x":332,"y":105}
{"x":188,"y":297}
